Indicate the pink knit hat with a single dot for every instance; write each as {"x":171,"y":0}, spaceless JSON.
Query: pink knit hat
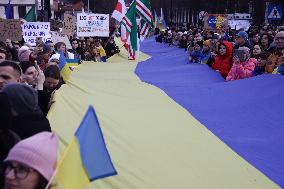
{"x":38,"y":152}
{"x":24,"y":54}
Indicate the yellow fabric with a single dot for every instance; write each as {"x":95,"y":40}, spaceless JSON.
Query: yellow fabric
{"x":67,"y":69}
{"x":70,"y":172}
{"x":153,"y":142}
{"x":102,"y":51}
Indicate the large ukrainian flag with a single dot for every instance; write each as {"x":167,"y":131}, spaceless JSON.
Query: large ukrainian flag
{"x":86,"y":158}
{"x":154,"y":143}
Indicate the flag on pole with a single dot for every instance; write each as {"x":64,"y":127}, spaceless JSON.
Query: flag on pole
{"x":144,"y":10}
{"x":9,"y":13}
{"x":163,"y":24}
{"x":129,"y":28}
{"x":129,"y":31}
{"x":86,"y":158}
{"x":119,"y":11}
{"x":144,"y":30}
{"x":156,"y":21}
{"x":31,"y":15}
{"x":66,"y":66}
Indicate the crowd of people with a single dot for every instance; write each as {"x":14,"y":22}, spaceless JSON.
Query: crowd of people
{"x":29,"y":76}
{"x":234,"y":54}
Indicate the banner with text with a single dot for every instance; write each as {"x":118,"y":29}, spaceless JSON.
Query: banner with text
{"x":90,"y":25}
{"x":33,"y":30}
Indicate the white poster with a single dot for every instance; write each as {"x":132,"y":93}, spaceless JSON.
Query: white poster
{"x":32,"y":30}
{"x":239,"y":24}
{"x":90,"y":25}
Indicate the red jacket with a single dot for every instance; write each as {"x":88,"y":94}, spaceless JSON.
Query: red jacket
{"x":223,"y":62}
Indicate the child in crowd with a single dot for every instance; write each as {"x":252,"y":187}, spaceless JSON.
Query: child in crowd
{"x":101,"y":51}
{"x":206,"y":51}
{"x":256,"y":51}
{"x":242,"y":69}
{"x":223,"y":61}
{"x":196,"y":55}
{"x":261,"y":63}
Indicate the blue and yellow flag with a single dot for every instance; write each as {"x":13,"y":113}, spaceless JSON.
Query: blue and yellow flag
{"x":86,"y":158}
{"x":66,"y":66}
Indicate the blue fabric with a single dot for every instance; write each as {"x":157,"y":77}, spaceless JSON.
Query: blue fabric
{"x":94,"y":154}
{"x":8,"y":13}
{"x":247,"y":115}
{"x":281,"y":69}
{"x":72,"y":60}
{"x":62,"y":60}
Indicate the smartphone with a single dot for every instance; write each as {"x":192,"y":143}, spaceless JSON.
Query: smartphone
{"x":240,"y":54}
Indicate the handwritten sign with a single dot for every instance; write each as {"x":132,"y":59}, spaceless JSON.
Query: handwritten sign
{"x":59,"y":37}
{"x":89,"y":25}
{"x":55,"y":25}
{"x":216,"y":22}
{"x":69,"y":24}
{"x":10,"y":29}
{"x":32,"y":30}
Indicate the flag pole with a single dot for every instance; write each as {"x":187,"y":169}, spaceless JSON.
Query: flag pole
{"x":88,"y":6}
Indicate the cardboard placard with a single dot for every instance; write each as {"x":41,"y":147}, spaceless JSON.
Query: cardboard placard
{"x":69,"y":25}
{"x":90,"y":25}
{"x":216,"y":22}
{"x":32,"y":30}
{"x":58,"y":37}
{"x":10,"y":29}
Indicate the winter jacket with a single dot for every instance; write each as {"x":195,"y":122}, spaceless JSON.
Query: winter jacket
{"x":223,"y":63}
{"x":27,"y":125}
{"x":196,"y":56}
{"x":205,"y":57}
{"x":242,"y":70}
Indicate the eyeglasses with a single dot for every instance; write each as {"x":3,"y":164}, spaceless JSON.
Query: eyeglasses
{"x":20,"y":171}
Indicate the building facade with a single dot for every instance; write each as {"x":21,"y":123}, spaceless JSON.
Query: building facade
{"x":19,"y":7}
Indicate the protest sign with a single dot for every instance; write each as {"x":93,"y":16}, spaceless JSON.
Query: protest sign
{"x":239,"y":24}
{"x":216,"y":22}
{"x":69,"y":24}
{"x":59,"y":37}
{"x":55,"y":25}
{"x":10,"y":29}
{"x":89,"y":25}
{"x":32,"y":30}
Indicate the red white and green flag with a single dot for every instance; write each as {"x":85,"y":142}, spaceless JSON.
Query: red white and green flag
{"x":129,"y":27}
{"x":129,"y":31}
{"x":119,"y":11}
{"x":144,"y":10}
